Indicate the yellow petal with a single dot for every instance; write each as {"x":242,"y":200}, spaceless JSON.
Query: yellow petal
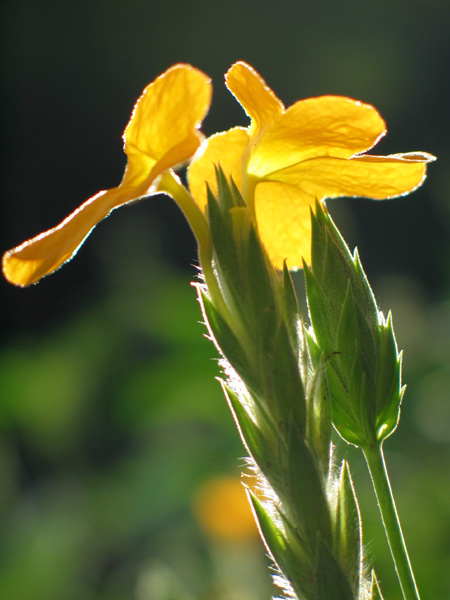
{"x":223,"y":150}
{"x":160,"y":135}
{"x":167,"y":114}
{"x":323,"y":126}
{"x":284,"y":223}
{"x":377,"y":177}
{"x":258,"y":100}
{"x":46,"y":252}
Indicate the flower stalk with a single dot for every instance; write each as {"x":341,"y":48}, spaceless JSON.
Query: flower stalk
{"x":377,"y":467}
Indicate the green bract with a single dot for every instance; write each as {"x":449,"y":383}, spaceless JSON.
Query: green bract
{"x":275,"y":385}
{"x":356,"y":343}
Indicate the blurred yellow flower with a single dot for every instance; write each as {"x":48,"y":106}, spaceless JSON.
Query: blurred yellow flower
{"x":161,"y":134}
{"x":222,"y":509}
{"x":288,"y":158}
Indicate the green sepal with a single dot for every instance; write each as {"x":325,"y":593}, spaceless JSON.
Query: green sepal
{"x":331,"y":582}
{"x":321,"y":313}
{"x":364,"y":370}
{"x":345,"y":420}
{"x":305,"y":487}
{"x":228,"y":192}
{"x":335,"y":265}
{"x":282,"y":553}
{"x":363,"y":293}
{"x":347,"y":538}
{"x":389,"y":380}
{"x":224,"y":250}
{"x":354,"y":335}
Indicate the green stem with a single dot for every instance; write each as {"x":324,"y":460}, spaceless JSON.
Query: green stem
{"x":380,"y":479}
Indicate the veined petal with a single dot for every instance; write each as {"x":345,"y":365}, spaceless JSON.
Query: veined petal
{"x":45,"y":253}
{"x":165,"y":117}
{"x":223,"y":150}
{"x":284,"y":223}
{"x":377,"y":177}
{"x":324,"y":126}
{"x":257,"y":99}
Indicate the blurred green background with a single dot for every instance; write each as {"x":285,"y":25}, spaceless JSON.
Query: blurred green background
{"x":110,"y":417}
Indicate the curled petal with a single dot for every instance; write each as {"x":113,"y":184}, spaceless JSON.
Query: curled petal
{"x":377,"y":177}
{"x":170,"y":109}
{"x":324,"y":126}
{"x":258,"y":100}
{"x":223,"y":150}
{"x":284,"y":223}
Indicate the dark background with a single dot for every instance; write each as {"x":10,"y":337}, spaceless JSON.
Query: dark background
{"x":110,"y":418}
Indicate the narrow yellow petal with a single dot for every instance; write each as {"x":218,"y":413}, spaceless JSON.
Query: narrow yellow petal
{"x":167,"y":114}
{"x":377,"y":177}
{"x":324,"y":126}
{"x":162,"y":133}
{"x":284,"y":223}
{"x":258,"y":100}
{"x":223,"y":150}
{"x":45,"y":253}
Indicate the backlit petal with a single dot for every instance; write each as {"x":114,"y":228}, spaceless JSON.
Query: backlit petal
{"x":284,"y":223}
{"x":167,"y":114}
{"x":223,"y":150}
{"x":162,"y":133}
{"x":323,"y":126}
{"x":378,"y":177}
{"x":258,"y":100}
{"x":46,"y":252}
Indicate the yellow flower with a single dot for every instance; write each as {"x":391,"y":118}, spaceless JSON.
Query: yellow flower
{"x":223,"y":510}
{"x":161,"y":134}
{"x":288,"y":158}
